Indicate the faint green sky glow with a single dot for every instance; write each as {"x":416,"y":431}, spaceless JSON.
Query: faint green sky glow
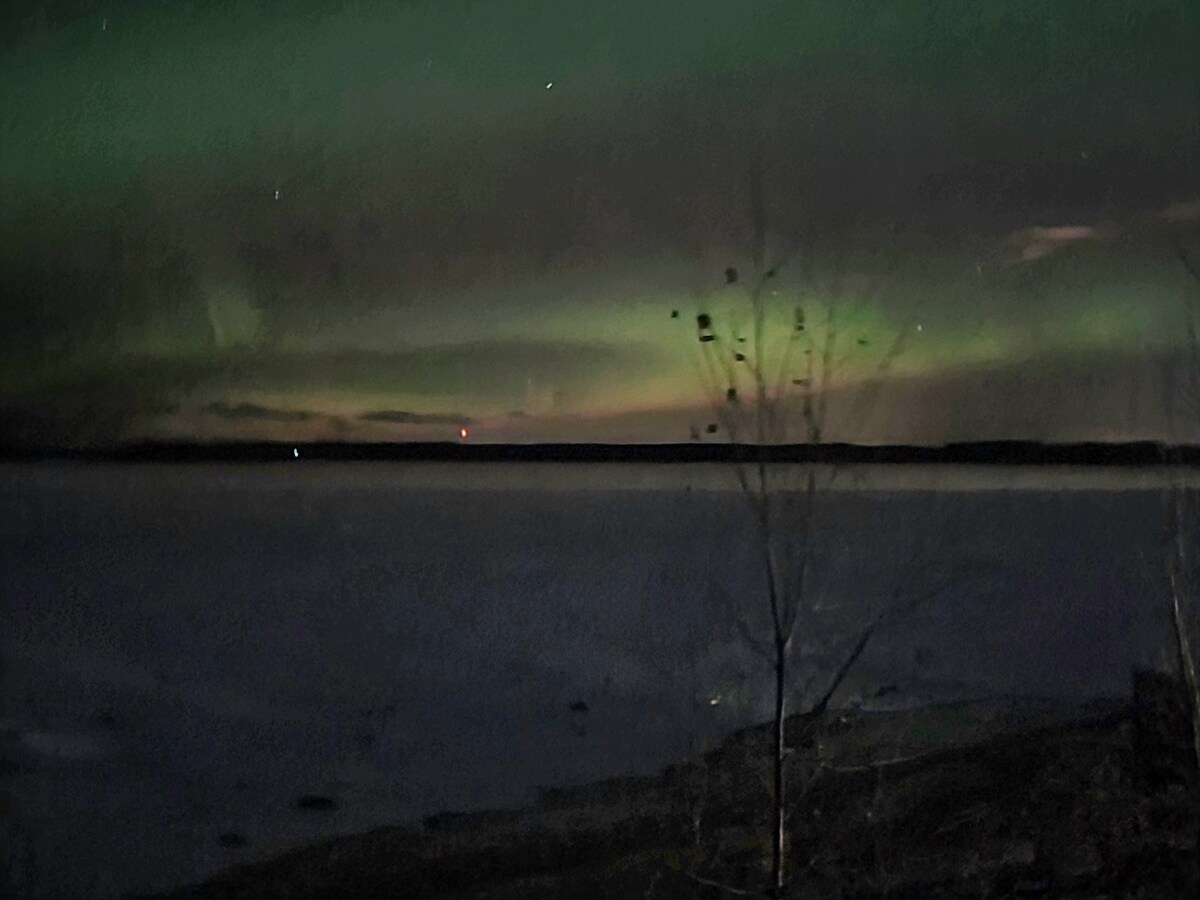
{"x":346,"y":207}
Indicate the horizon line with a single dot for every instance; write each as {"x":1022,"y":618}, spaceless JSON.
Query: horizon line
{"x":1140,"y":454}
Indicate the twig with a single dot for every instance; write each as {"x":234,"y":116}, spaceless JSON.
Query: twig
{"x":708,"y":882}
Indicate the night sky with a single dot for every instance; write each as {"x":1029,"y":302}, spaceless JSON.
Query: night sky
{"x":387,"y":221}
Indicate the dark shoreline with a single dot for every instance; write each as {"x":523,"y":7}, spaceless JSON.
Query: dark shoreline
{"x":1011,"y":801}
{"x":984,"y":453}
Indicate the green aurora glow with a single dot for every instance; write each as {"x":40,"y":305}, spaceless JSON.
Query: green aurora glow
{"x":453,"y":239}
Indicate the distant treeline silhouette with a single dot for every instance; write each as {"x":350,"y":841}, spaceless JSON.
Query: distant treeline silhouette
{"x":1001,"y":453}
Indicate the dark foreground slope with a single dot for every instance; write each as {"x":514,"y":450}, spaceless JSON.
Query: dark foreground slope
{"x":997,"y":799}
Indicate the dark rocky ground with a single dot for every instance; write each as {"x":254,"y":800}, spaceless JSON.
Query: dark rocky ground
{"x":995,"y":799}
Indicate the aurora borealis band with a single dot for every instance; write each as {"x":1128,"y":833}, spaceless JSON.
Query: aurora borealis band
{"x":385,"y":221}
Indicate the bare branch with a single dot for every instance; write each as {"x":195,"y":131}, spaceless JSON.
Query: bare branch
{"x":708,"y":882}
{"x":1192,"y":266}
{"x":860,"y":645}
{"x":763,"y":649}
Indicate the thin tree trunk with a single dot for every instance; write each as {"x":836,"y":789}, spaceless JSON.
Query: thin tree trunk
{"x":1183,"y":647}
{"x":1188,"y":665}
{"x":777,"y":860}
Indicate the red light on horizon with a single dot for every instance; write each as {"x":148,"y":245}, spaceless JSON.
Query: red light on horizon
{"x":462,"y":433}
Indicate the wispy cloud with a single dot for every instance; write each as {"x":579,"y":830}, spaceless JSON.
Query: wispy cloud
{"x":1039,"y":242}
{"x":1188,"y":211}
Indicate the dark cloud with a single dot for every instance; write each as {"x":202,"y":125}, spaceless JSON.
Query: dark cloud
{"x":239,"y":411}
{"x":404,"y":417}
{"x":99,"y":404}
{"x":91,"y":415}
{"x":1081,"y":182}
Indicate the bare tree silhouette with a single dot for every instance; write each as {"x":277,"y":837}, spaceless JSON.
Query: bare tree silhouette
{"x":767,"y":368}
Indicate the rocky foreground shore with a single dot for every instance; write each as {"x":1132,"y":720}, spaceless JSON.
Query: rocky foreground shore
{"x":1014,"y":798}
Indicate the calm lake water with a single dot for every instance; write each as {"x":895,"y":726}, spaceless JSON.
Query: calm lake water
{"x":188,"y":649}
